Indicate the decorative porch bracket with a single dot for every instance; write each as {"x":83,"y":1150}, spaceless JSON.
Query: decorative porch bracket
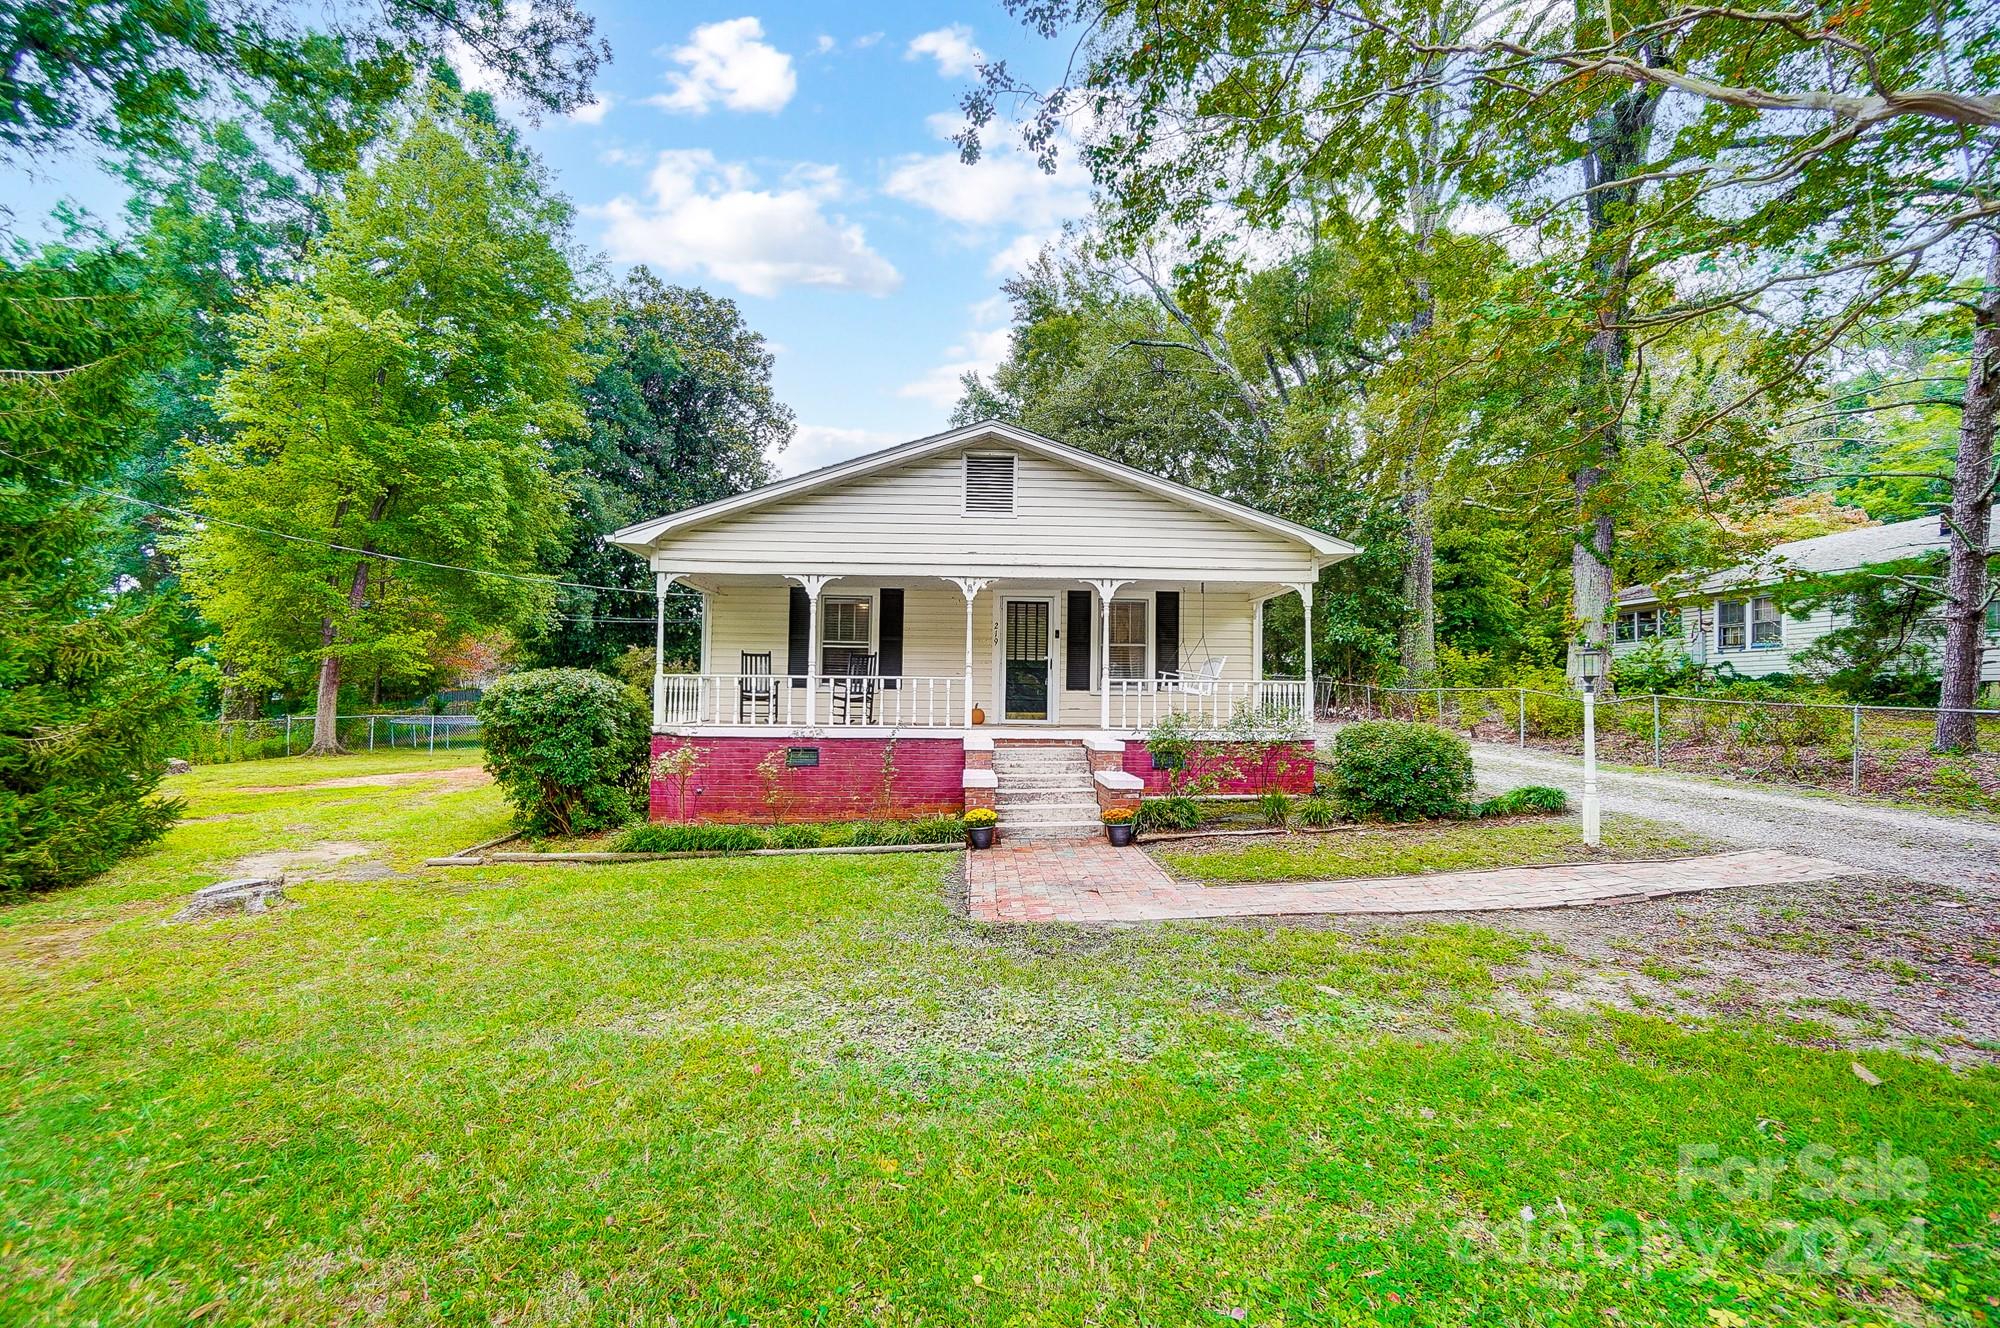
{"x":812,"y":586}
{"x":1105,"y":590}
{"x":969,"y":586}
{"x":661,"y":582}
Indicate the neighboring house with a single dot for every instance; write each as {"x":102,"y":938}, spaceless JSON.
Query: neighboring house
{"x":1733,"y":618}
{"x":872,"y":630}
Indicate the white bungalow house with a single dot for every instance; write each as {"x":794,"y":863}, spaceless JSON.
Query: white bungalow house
{"x":978,"y":588}
{"x":1733,"y":617}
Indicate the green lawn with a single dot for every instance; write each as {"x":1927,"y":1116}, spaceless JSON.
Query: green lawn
{"x":1396,"y":850}
{"x":807,"y":1091}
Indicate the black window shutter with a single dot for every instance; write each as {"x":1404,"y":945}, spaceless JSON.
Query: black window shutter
{"x":1167,"y":631}
{"x":798,"y":648}
{"x":1076,"y":652}
{"x":891,"y":639}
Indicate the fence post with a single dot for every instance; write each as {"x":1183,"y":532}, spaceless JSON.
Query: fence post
{"x":1368,"y":698}
{"x":288,"y":735}
{"x":1521,"y":714}
{"x":371,"y":733}
{"x":1441,"y":723}
{"x":1656,"y":729}
{"x":434,"y":734}
{"x":1854,"y":780}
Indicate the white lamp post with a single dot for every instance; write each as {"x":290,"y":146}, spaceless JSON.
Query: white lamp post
{"x":1592,"y":666}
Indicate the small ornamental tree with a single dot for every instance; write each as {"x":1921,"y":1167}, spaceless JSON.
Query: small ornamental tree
{"x":568,"y":748}
{"x":1402,"y":772}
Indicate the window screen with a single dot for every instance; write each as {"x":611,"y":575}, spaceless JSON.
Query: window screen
{"x":844,"y":630}
{"x":1767,"y":628}
{"x":1729,"y":624}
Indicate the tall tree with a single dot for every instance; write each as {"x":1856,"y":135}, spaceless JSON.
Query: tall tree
{"x":89,"y":702}
{"x":681,"y":412}
{"x":391,"y":417}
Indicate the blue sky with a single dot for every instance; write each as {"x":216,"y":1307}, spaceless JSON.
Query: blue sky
{"x":794,"y":157}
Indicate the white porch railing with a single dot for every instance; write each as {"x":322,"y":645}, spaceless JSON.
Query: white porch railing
{"x":1140,"y":703}
{"x":763,"y":700}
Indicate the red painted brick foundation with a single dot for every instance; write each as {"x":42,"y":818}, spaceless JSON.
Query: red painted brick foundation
{"x":1241,"y":768}
{"x":847,"y":784}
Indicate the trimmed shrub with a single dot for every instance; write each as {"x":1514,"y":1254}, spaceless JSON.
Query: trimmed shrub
{"x":568,"y":749}
{"x":1397,"y":771}
{"x":1530,"y":799}
{"x":1172,"y":813}
{"x":1318,"y":812}
{"x":1276,"y":809}
{"x":692,"y":837}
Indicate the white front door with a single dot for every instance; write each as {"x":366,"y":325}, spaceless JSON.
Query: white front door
{"x":1026,"y":664}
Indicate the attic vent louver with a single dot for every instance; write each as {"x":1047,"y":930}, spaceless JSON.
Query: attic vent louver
{"x":989,"y":483}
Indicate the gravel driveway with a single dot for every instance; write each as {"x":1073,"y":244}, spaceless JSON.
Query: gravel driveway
{"x":1884,"y":841}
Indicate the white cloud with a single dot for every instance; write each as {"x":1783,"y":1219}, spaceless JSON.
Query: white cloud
{"x":1004,"y":188}
{"x":592,"y":112}
{"x":982,"y":347}
{"x":816,"y":445}
{"x":709,"y":216}
{"x":730,"y":63}
{"x":824,"y":44}
{"x":868,"y":39}
{"x":951,"y":47}
{"x":1018,"y":253}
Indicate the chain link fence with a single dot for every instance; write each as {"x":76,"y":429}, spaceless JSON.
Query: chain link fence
{"x":1880,"y":751}
{"x":225,"y":740}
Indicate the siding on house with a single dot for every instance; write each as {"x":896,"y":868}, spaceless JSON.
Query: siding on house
{"x":1839,"y":552}
{"x":911,"y":519}
{"x":1215,"y":621}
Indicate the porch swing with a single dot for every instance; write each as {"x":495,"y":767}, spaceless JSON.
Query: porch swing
{"x":1202,"y":681}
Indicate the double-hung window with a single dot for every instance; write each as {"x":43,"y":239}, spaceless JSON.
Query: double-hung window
{"x":846,"y":630}
{"x":1767,"y":626}
{"x":1749,"y":624}
{"x":1638,"y":625}
{"x":1126,"y":649}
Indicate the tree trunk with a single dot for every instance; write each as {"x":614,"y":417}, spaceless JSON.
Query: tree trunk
{"x":326,"y":734}
{"x":1620,"y":136}
{"x":1971,"y":518}
{"x":1419,"y":635}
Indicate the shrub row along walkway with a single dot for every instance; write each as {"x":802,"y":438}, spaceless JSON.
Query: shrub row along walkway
{"x":1032,"y":882}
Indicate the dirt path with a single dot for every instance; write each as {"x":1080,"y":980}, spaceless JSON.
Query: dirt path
{"x":458,"y":776}
{"x":1887,"y":841}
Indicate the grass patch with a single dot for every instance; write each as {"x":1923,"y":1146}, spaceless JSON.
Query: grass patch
{"x":1411,"y":850}
{"x":791,"y":1090}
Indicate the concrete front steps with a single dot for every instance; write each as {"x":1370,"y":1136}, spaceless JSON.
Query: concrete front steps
{"x":1044,"y":792}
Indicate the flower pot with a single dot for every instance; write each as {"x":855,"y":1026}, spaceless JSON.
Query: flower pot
{"x":1121,"y":834}
{"x":980,"y":835}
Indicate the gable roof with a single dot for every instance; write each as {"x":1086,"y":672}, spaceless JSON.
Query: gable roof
{"x":640,"y":537}
{"x":1842,"y":551}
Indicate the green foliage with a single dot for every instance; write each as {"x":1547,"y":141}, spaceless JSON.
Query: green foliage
{"x":1396,"y":771}
{"x":936,"y":830}
{"x":397,"y":400}
{"x":1888,"y":648}
{"x":1527,"y":800}
{"x":1174,"y":812}
{"x":89,"y":706}
{"x":1659,"y":665}
{"x":136,"y":76}
{"x":681,"y":411}
{"x":694,"y":837}
{"x":568,"y":748}
{"x":1318,"y":811}
{"x":1276,"y":808}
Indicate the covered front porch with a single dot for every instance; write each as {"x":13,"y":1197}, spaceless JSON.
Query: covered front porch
{"x":1040,"y":658}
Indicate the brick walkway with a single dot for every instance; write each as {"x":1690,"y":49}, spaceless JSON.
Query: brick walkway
{"x":1093,"y":882}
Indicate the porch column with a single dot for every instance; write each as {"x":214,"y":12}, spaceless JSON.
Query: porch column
{"x":1305,"y":591}
{"x":1105,"y":590}
{"x":969,"y":586}
{"x":661,"y":580}
{"x":812,"y":586}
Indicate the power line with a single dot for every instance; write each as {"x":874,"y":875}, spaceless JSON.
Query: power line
{"x":328,"y":544}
